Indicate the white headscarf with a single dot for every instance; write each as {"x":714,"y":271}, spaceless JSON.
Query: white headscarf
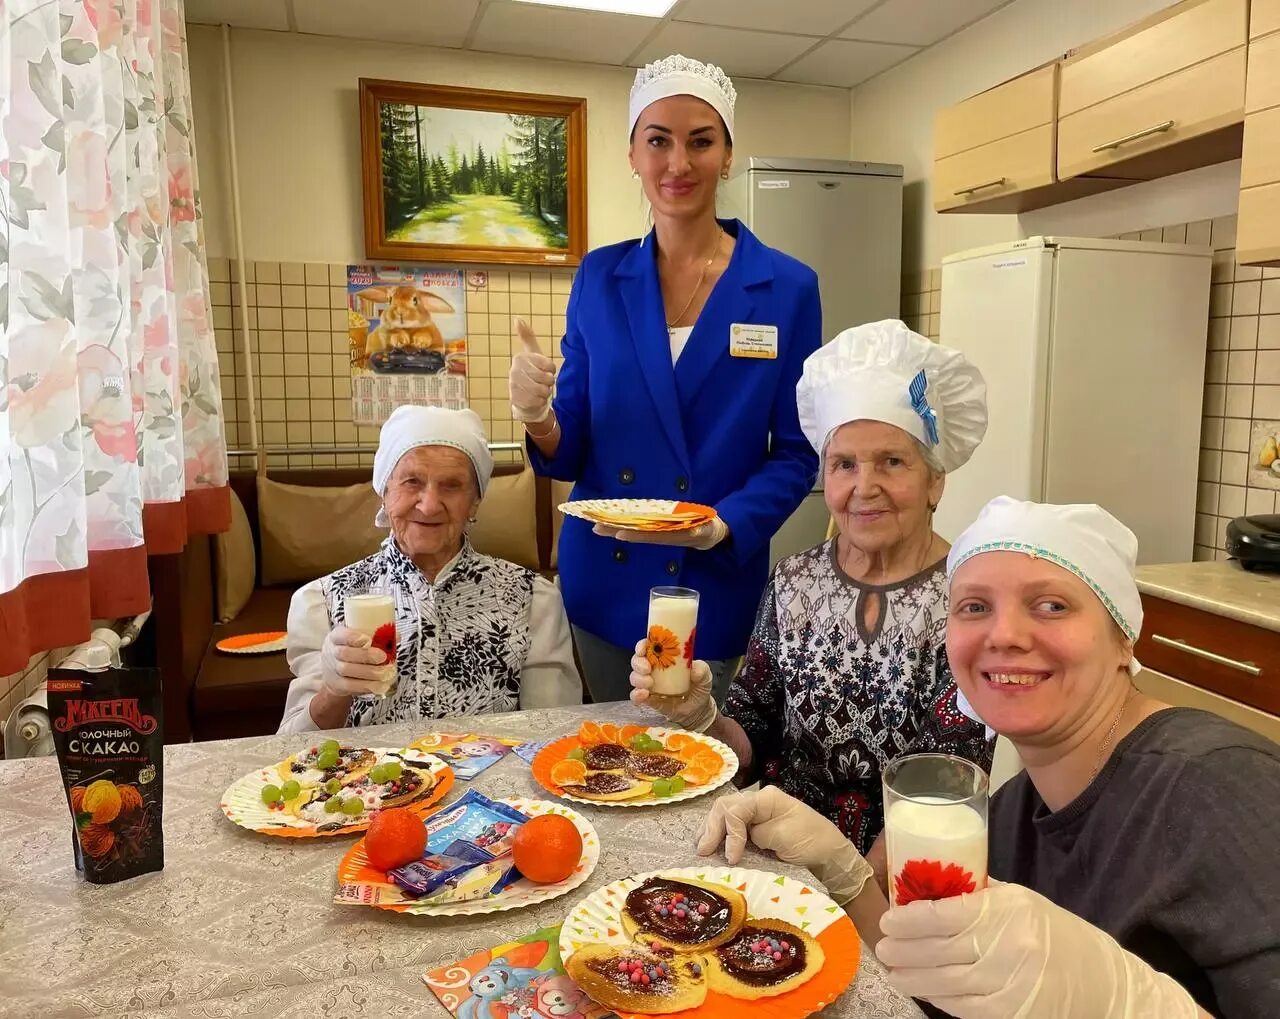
{"x":678,"y":75}
{"x":883,"y":371}
{"x":1084,"y":539}
{"x":409,"y":427}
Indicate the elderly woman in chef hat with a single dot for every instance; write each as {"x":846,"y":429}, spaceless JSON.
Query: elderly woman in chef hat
{"x":845,"y":669}
{"x":474,"y":634}
{"x":1139,"y":845}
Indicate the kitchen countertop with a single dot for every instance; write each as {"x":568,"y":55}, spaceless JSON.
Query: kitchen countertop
{"x":1222,"y":588}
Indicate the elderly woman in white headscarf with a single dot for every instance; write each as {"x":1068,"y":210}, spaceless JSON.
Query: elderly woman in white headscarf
{"x":845,"y":669}
{"x":473,"y":634}
{"x":1142,"y":837}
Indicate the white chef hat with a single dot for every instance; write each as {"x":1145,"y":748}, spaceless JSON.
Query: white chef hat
{"x":1082,"y":538}
{"x":883,"y":371}
{"x":409,"y":427}
{"x":678,"y":75}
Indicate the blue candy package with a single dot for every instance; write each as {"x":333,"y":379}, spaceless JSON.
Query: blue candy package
{"x":475,"y":831}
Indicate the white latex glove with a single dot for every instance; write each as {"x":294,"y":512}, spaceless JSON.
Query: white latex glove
{"x":531,"y":377}
{"x":793,"y":831}
{"x":351,"y":667}
{"x":695,"y":710}
{"x":703,"y":537}
{"x":1008,"y":952}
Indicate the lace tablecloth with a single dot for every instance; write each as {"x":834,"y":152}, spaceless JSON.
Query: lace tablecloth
{"x":243,"y":924}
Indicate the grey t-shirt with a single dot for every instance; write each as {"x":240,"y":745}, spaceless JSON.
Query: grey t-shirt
{"x":1174,"y":850}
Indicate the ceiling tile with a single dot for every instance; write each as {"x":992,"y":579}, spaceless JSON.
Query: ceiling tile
{"x":740,"y":53}
{"x":845,"y":64}
{"x":804,"y":17}
{"x":443,"y":23}
{"x":267,"y":14}
{"x":559,"y":33}
{"x":920,"y":22}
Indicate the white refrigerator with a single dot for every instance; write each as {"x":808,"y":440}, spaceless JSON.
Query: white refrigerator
{"x":1094,"y":356}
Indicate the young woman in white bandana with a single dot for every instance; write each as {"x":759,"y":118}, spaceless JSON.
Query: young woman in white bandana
{"x":661,"y":397}
{"x":1133,"y":863}
{"x":846,"y":670}
{"x":474,"y":634}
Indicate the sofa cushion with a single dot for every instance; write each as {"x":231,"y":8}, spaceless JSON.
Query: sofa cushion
{"x":507,"y":522}
{"x":309,"y":531}
{"x":235,"y":564}
{"x":232,"y":683}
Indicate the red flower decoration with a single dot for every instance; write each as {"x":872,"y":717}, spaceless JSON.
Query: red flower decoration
{"x":384,"y":639}
{"x":930,"y":879}
{"x":688,"y":647}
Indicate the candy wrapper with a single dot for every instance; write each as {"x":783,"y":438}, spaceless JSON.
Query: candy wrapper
{"x":468,"y":852}
{"x":528,"y":751}
{"x":468,"y":754}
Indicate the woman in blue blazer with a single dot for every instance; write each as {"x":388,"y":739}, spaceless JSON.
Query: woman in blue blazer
{"x":681,"y":355}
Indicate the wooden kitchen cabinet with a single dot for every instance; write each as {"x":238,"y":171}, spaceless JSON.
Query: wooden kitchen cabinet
{"x":1215,"y":653}
{"x":1164,"y":96}
{"x":1258,"y":235}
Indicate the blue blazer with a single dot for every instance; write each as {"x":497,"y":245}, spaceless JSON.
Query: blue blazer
{"x":713,"y":429}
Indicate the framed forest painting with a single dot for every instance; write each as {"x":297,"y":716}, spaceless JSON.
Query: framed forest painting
{"x":472,"y":175}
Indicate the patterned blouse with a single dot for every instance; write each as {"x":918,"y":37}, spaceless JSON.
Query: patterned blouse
{"x":828,"y":702}
{"x":486,"y":636}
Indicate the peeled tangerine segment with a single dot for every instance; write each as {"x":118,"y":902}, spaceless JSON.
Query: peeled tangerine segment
{"x":629,"y":732}
{"x":589,"y":734}
{"x":569,"y":773}
{"x":610,"y":732}
{"x":695,"y":776}
{"x":679,"y":740}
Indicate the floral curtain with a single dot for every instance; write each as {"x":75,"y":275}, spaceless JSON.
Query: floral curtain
{"x":111,"y":437}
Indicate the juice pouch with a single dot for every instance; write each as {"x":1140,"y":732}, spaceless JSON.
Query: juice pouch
{"x":109,"y":738}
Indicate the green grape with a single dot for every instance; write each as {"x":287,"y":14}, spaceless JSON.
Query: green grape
{"x":326,"y":761}
{"x":270,"y":794}
{"x":378,"y":773}
{"x":677,"y":785}
{"x":332,"y":805}
{"x":289,"y":790}
{"x":638,"y":741}
{"x":330,"y":746}
{"x":353,"y":806}
{"x":661,"y":787}
{"x":577,"y":754}
{"x":332,"y":787}
{"x":393,"y":770}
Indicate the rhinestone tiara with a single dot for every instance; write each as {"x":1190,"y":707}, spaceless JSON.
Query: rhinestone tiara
{"x":680,"y":64}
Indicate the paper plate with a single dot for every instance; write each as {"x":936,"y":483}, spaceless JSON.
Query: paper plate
{"x":597,"y":919}
{"x":253,"y":643}
{"x":242,"y":802}
{"x":557,"y":751}
{"x":360,"y":884}
{"x":640,"y":514}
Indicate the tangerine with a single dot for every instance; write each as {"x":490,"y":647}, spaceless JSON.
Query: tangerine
{"x":695,"y":776}
{"x":396,"y":836}
{"x":610,"y":732}
{"x":589,"y":734}
{"x":547,"y":849}
{"x":569,"y":772}
{"x":708,"y":760}
{"x":679,"y":740}
{"x":629,"y":732}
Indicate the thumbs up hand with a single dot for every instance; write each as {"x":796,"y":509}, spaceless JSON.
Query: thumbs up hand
{"x":531,"y":378}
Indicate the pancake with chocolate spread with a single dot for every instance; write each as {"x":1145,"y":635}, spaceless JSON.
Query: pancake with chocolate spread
{"x":685,"y":915}
{"x":630,"y":979}
{"x":606,"y":757}
{"x":608,"y":785}
{"x":654,"y":765}
{"x":765,"y":958}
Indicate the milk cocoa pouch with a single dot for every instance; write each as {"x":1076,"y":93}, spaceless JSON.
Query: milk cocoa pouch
{"x":109,"y":737}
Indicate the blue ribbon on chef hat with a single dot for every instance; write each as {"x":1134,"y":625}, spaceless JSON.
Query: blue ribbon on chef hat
{"x":920,"y":405}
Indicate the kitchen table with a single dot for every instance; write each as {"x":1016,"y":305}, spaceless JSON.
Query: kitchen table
{"x":239,"y":923}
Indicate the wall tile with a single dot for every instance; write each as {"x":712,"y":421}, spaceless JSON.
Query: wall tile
{"x":1266,"y":402}
{"x":1269,"y":332}
{"x":1207,"y":497}
{"x":1215,"y":400}
{"x":1224,"y":233}
{"x":1220,"y":300}
{"x":1239,"y":403}
{"x":1235,"y":471}
{"x":1270,"y":297}
{"x":1259,"y":500}
{"x":1245,"y":297}
{"x":1211,"y":433}
{"x":1235,"y":434}
{"x":1231,"y":501}
{"x":1199,"y":232}
{"x":1219,"y":333}
{"x":1240,"y":366}
{"x":1244,"y":331}
{"x":1267,"y":372}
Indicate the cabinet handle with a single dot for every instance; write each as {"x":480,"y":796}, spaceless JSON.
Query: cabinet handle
{"x":1191,"y":649}
{"x":1144,"y":133}
{"x":982,"y":187}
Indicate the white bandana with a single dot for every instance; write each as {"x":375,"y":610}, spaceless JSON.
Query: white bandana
{"x":410,"y":427}
{"x":678,"y":75}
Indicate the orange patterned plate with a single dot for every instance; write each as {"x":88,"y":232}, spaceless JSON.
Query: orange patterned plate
{"x":688,"y":745}
{"x":242,"y":802}
{"x":253,"y":643}
{"x":597,"y":919}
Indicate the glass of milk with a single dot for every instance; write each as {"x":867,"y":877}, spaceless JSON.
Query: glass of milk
{"x":673,"y":621}
{"x":935,"y":822}
{"x":371,"y":609}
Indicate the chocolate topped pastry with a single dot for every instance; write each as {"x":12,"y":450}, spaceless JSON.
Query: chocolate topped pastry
{"x":607,"y":757}
{"x":629,"y":979}
{"x":608,"y":785}
{"x":683,"y":914}
{"x":765,"y":958}
{"x":655,"y":765}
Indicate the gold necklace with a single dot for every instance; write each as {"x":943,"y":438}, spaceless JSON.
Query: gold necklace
{"x":702,"y":275}
{"x":1106,"y":742}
